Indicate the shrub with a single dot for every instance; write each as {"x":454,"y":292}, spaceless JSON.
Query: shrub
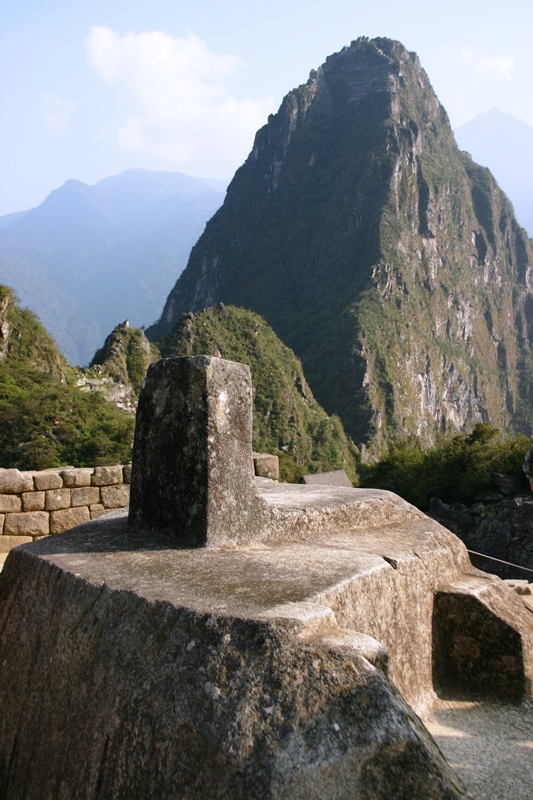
{"x":459,"y":468}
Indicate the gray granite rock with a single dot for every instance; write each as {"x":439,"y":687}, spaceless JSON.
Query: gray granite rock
{"x":336,"y":477}
{"x":266,"y":466}
{"x":146,"y":671}
{"x":192,"y":472}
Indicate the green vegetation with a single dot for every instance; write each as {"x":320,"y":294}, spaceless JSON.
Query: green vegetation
{"x":126,"y":355}
{"x":387,"y":260}
{"x":45,"y":420}
{"x":456,"y":469}
{"x":287,"y":419}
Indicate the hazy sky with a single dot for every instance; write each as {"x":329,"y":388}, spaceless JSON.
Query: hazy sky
{"x":88,"y":89}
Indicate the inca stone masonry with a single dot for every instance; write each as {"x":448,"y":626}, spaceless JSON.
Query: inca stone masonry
{"x":233,"y":637}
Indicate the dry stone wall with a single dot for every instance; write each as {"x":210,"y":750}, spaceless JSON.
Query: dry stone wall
{"x":35,"y":504}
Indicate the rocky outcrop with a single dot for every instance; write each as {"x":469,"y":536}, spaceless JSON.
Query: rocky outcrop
{"x":500,"y":526}
{"x":23,"y":339}
{"x":388,"y":260}
{"x":202,"y":655}
{"x":4,"y":326}
{"x":118,"y":368}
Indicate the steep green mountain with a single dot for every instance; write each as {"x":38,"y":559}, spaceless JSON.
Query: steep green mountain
{"x":45,"y":420}
{"x":287,"y":420}
{"x":89,"y":255}
{"x":388,"y":260}
{"x":118,"y":368}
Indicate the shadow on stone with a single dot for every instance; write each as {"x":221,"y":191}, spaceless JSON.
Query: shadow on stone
{"x":476,"y":655}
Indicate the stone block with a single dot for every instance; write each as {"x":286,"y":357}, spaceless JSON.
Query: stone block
{"x":8,"y":542}
{"x":57,"y":499}
{"x":84,"y":496}
{"x":336,"y":477}
{"x":10,"y":502}
{"x":97,"y":510}
{"x":47,"y":480}
{"x":466,"y":662}
{"x":305,"y":712}
{"x":68,"y":518}
{"x":115,"y":496}
{"x":27,"y":523}
{"x":107,"y":476}
{"x":506,"y":484}
{"x":12,"y":481}
{"x":126,"y":473}
{"x":2,"y":517}
{"x":73,"y":478}
{"x":266,"y":466}
{"x":192,"y":470}
{"x":33,"y":501}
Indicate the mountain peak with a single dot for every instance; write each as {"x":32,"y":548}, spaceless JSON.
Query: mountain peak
{"x":377,"y":251}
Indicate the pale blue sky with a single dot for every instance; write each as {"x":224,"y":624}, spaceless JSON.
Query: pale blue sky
{"x":89,"y":89}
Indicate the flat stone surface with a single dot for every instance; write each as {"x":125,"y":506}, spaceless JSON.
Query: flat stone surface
{"x":107,"y":476}
{"x":337,"y":477}
{"x":489,"y":746}
{"x":8,"y":542}
{"x":266,"y":465}
{"x":344,"y":550}
{"x":66,"y":518}
{"x":97,"y":510}
{"x":115,"y":496}
{"x":57,"y":499}
{"x":239,"y":582}
{"x":85,"y":496}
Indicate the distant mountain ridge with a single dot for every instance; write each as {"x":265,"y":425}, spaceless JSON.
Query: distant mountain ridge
{"x":91,"y":256}
{"x":504,"y":144}
{"x":389,"y":261}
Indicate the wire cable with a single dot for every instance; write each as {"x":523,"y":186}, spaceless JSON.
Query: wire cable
{"x":509,"y":564}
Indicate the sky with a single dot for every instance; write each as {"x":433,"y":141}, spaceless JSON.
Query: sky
{"x":89,"y":89}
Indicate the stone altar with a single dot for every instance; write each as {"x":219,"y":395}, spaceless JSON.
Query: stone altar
{"x":238,"y":638}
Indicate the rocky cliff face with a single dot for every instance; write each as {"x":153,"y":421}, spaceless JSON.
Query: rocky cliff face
{"x":384,"y":257}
